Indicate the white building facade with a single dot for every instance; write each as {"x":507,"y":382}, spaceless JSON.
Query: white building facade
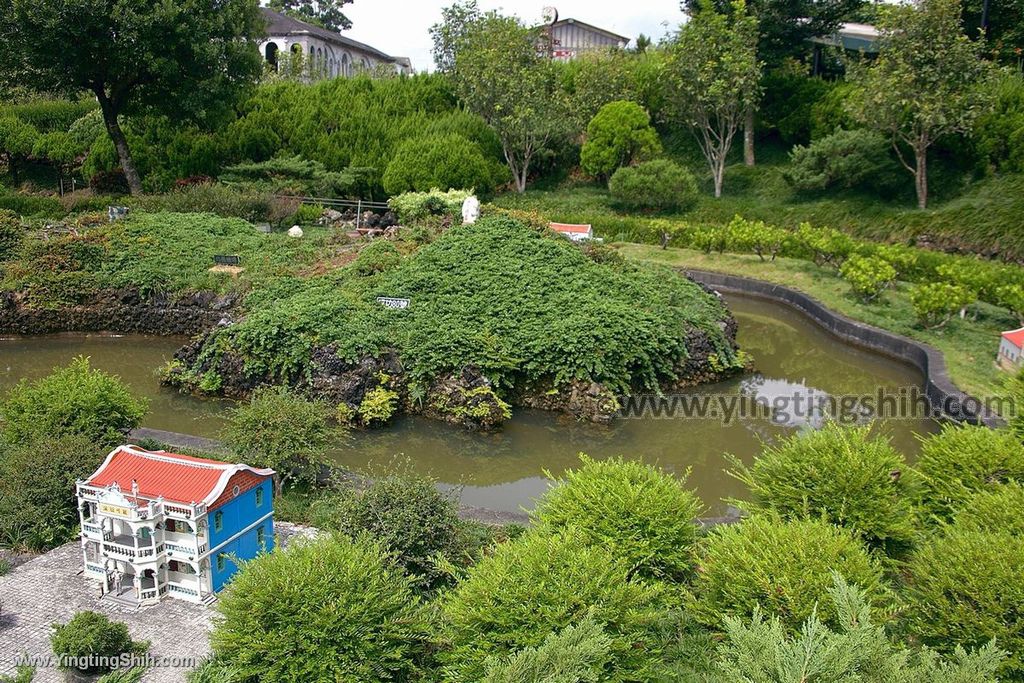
{"x":324,"y":53}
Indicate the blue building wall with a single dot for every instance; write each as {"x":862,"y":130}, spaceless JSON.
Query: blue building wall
{"x":236,"y":515}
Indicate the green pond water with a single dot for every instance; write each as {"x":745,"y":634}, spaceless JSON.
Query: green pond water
{"x":504,"y":470}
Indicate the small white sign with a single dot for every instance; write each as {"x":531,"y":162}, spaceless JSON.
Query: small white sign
{"x":391,"y":302}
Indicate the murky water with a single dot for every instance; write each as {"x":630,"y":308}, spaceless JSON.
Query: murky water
{"x":504,"y":470}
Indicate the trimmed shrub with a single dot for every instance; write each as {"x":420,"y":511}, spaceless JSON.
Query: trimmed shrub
{"x":659,"y":186}
{"x":541,"y":583}
{"x":578,"y":653}
{"x":997,"y":510}
{"x":845,"y":159}
{"x":963,"y":460}
{"x":73,"y":400}
{"x":935,"y":303}
{"x":840,"y":474}
{"x":638,"y":512}
{"x":411,"y":519}
{"x":282,"y":430}
{"x":333,"y":609}
{"x":37,"y":489}
{"x":91,"y":634}
{"x":415,"y":206}
{"x":29,"y":205}
{"x":965,"y":587}
{"x":11,"y":234}
{"x":869,"y":276}
{"x":447,"y":161}
{"x":784,"y":567}
{"x":620,"y":134}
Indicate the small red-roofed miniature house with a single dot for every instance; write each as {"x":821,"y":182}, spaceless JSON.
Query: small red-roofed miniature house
{"x":1011,"y":348}
{"x":158,"y":524}
{"x":577,"y":233}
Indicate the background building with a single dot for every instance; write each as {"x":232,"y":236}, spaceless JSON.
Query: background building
{"x":325,"y":53}
{"x":570,"y":38}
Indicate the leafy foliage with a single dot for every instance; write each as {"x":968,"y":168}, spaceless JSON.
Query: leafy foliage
{"x":659,"y":185}
{"x":540,"y":583}
{"x":869,"y":276}
{"x":91,"y":634}
{"x":965,"y":588}
{"x":448,"y":161}
{"x":843,"y":160}
{"x":37,"y":489}
{"x":618,"y":135}
{"x":73,"y":400}
{"x":996,"y":509}
{"x":961,"y":461}
{"x":643,"y":515}
{"x":283,"y":431}
{"x":841,"y":474}
{"x":332,"y":609}
{"x":415,"y":206}
{"x":782,"y":567}
{"x":579,"y":653}
{"x":935,"y":303}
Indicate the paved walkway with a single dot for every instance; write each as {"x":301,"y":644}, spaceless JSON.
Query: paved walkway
{"x":51,"y":589}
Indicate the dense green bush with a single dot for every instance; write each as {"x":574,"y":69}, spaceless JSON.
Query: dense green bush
{"x":37,"y":489}
{"x":377,"y":257}
{"x":49,"y":115}
{"x":411,"y":519}
{"x":284,"y":431}
{"x":333,"y":609}
{"x":869,"y":276}
{"x":542,"y":583}
{"x":783,"y":567}
{"x":11,"y":234}
{"x":765,"y":650}
{"x":620,"y":134}
{"x":841,"y":474}
{"x":961,"y":461}
{"x":31,"y":205}
{"x":659,"y":185}
{"x":965,"y":587}
{"x":843,"y":160}
{"x":439,"y":161}
{"x":73,"y":400}
{"x":999,"y":133}
{"x":997,"y":509}
{"x":415,"y":206}
{"x":91,"y":634}
{"x":578,"y":653}
{"x":298,"y":176}
{"x":936,"y":303}
{"x":788,"y":102}
{"x":220,"y":200}
{"x":643,"y":515}
{"x":832,"y":112}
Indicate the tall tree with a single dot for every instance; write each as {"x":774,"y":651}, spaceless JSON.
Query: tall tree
{"x":714,"y":76}
{"x":457,"y":22}
{"x":504,"y":75}
{"x":326,"y":13}
{"x":182,"y":58}
{"x":928,"y":81}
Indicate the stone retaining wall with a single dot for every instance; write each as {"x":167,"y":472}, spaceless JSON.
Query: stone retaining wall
{"x":940,"y":389}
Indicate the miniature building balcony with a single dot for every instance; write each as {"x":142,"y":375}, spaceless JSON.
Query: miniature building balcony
{"x":124,"y":547}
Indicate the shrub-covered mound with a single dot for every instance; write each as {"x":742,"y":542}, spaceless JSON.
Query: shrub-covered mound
{"x":496,"y":309}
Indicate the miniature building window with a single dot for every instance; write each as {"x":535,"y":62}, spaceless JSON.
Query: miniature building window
{"x":220,"y":562}
{"x":235,"y":491}
{"x":259,"y":497}
{"x":218,"y":521}
{"x":261,"y":538}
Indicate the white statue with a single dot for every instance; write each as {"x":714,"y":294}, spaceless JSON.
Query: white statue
{"x":295,"y":231}
{"x":470,"y":210}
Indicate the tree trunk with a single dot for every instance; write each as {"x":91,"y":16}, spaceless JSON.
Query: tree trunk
{"x":718,"y":171}
{"x":124,"y":154}
{"x":748,"y":138}
{"x":921,"y":177}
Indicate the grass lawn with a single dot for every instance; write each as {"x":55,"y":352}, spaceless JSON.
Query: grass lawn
{"x":968,"y":345}
{"x":986,"y":218}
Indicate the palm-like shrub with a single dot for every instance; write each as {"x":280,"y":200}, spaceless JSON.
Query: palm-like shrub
{"x":333,"y":609}
{"x":658,"y":185}
{"x":541,"y":583}
{"x":641,"y":514}
{"x":965,"y":587}
{"x":619,"y":134}
{"x":841,"y":474}
{"x":961,"y":461}
{"x":785,"y":568}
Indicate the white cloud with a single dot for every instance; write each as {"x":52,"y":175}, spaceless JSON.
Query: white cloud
{"x":400,"y":27}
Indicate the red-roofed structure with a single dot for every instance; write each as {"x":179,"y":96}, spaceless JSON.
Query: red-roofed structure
{"x":1011,"y":349}
{"x":158,"y":524}
{"x":577,"y":233}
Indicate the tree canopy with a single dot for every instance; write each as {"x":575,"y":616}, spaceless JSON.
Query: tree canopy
{"x":326,"y":13}
{"x":183,"y":59}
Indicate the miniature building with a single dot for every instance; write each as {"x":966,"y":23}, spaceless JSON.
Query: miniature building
{"x":158,"y":524}
{"x":577,"y":233}
{"x":571,"y":38}
{"x":1011,"y":350}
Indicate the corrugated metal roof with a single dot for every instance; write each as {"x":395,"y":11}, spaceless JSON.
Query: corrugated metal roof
{"x":171,"y":476}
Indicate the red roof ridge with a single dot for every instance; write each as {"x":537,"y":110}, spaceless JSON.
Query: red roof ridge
{"x":1015,"y":337}
{"x":564,"y":227}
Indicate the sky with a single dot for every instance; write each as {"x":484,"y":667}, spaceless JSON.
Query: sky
{"x":400,"y":27}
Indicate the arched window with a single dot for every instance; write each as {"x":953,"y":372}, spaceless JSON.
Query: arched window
{"x":345,"y":65}
{"x":271,"y":54}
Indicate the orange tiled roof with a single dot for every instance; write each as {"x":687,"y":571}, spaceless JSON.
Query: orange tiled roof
{"x":1015,"y":337}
